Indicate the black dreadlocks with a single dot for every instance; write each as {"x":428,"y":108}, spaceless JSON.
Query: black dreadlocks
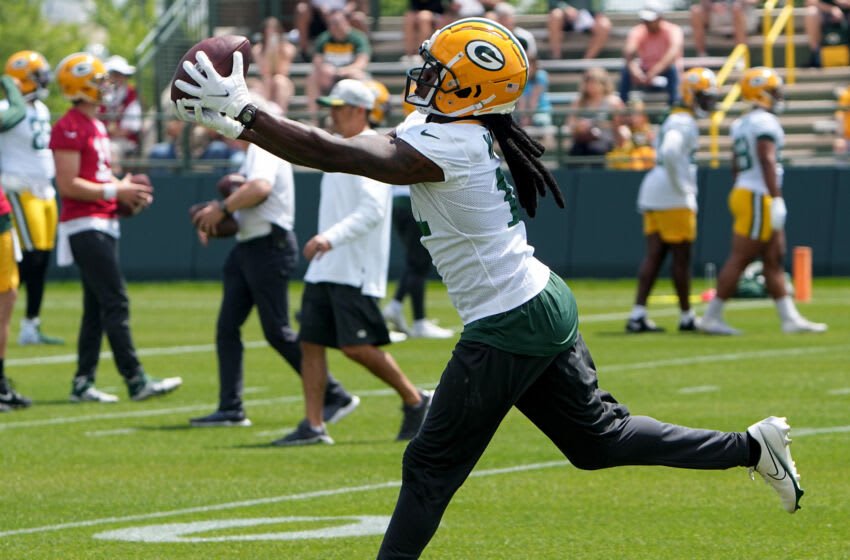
{"x":522,"y":153}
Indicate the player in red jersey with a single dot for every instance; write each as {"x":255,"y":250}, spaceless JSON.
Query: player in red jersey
{"x":89,"y":231}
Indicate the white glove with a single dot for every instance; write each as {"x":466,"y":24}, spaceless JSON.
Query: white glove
{"x":778,"y":213}
{"x":227,"y":95}
{"x":190,"y":110}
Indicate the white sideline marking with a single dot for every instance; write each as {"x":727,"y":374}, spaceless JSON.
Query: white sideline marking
{"x":264,"y":501}
{"x":708,"y":358}
{"x":163,"y":351}
{"x":842,"y":391}
{"x":699,"y":389}
{"x":116,"y":432}
{"x":800,"y":432}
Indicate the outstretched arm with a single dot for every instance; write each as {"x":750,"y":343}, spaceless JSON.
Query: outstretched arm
{"x":383,"y":158}
{"x":219,"y":100}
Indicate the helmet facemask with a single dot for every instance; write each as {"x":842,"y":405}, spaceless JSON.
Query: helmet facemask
{"x":705,"y":101}
{"x":424,"y":82}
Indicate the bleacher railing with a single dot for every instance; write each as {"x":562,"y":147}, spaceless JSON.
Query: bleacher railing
{"x":771,"y":31}
{"x":739,"y":58}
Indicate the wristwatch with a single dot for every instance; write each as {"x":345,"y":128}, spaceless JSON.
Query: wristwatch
{"x":247,"y":116}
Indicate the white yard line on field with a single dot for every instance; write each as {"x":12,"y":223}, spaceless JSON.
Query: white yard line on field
{"x":264,"y":501}
{"x":613,"y":368}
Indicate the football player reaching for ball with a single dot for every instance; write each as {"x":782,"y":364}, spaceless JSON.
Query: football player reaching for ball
{"x":89,"y":231}
{"x":520,"y":346}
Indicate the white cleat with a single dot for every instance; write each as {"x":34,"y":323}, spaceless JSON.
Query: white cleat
{"x":91,"y":394}
{"x":394,"y":316}
{"x":801,"y":325}
{"x":775,"y":464}
{"x":716,"y":327}
{"x":428,"y":329}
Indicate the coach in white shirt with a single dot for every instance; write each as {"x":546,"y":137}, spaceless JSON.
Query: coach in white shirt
{"x":347,"y":276}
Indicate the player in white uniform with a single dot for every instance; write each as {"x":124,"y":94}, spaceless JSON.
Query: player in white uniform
{"x":757,"y":206}
{"x":27,"y":171}
{"x":668,"y":200}
{"x":520,"y":345}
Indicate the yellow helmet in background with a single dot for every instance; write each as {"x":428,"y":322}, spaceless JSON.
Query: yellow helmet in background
{"x":82,"y":77}
{"x":382,"y":102}
{"x":763,"y":87}
{"x":32,"y":71}
{"x":473,"y":66}
{"x":699,"y":90}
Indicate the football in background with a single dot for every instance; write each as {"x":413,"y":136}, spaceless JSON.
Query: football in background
{"x":125,"y":211}
{"x":226,"y":228}
{"x":228,"y":184}
{"x":220,"y":51}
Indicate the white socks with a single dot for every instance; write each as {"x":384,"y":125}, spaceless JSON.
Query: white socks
{"x":786,"y":309}
{"x":638,"y":312}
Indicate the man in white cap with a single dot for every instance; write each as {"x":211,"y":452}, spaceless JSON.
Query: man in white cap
{"x":122,"y":111}
{"x":653,"y":53}
{"x":346,"y":278}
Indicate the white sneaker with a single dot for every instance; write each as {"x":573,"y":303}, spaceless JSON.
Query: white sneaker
{"x":396,"y":337}
{"x":775,"y":464}
{"x":801,"y":325}
{"x":424,"y":328}
{"x":92,"y":394}
{"x":716,"y":326}
{"x":394,"y":315}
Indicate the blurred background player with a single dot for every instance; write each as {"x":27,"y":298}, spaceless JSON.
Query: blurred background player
{"x":257,"y":272}
{"x":121,"y":111}
{"x":758,"y":209}
{"x":668,"y":200}
{"x":26,"y":172}
{"x":417,"y":260}
{"x":9,"y":398}
{"x":347,"y":275}
{"x":89,"y":231}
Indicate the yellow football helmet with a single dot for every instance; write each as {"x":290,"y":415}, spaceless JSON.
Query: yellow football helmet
{"x":473,"y":66}
{"x":32,"y":71}
{"x":382,"y":102}
{"x":82,"y":77}
{"x":763,"y":87}
{"x":699,"y":90}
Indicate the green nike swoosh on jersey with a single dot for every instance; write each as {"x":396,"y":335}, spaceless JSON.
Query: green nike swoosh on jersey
{"x":426,"y":133}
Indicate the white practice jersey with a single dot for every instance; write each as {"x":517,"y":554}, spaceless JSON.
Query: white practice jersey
{"x":26,"y":162}
{"x":672,"y":183}
{"x":355,"y":215}
{"x":471,"y":222}
{"x":279,"y":207}
{"x":746,"y":132}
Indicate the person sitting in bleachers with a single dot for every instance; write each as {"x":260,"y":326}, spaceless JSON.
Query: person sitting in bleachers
{"x":311,"y":19}
{"x":341,"y":52}
{"x":653,"y":53}
{"x":633,"y":138}
{"x":707,"y":14}
{"x":577,"y":16}
{"x":827,"y":25}
{"x":420,"y":20}
{"x":273,"y":54}
{"x":591,"y":114}
{"x":534,"y":108}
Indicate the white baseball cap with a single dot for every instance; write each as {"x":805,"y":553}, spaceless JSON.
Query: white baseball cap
{"x":651,"y":12}
{"x":349,"y":92}
{"x":119,"y":64}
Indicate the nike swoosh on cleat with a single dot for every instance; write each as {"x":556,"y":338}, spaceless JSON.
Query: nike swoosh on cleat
{"x":776,"y":465}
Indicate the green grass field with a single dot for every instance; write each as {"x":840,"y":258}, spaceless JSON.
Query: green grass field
{"x":132,"y":480}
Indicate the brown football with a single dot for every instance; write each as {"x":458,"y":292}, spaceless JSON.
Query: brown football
{"x":226,"y":228}
{"x":220,"y":51}
{"x":229,"y":183}
{"x":125,"y":211}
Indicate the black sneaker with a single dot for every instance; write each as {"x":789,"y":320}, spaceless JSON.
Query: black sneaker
{"x":414,"y":417}
{"x":642,"y":325}
{"x":336,"y":410}
{"x":304,"y":434}
{"x":688,"y":325}
{"x":221,"y":418}
{"x":11,"y":398}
